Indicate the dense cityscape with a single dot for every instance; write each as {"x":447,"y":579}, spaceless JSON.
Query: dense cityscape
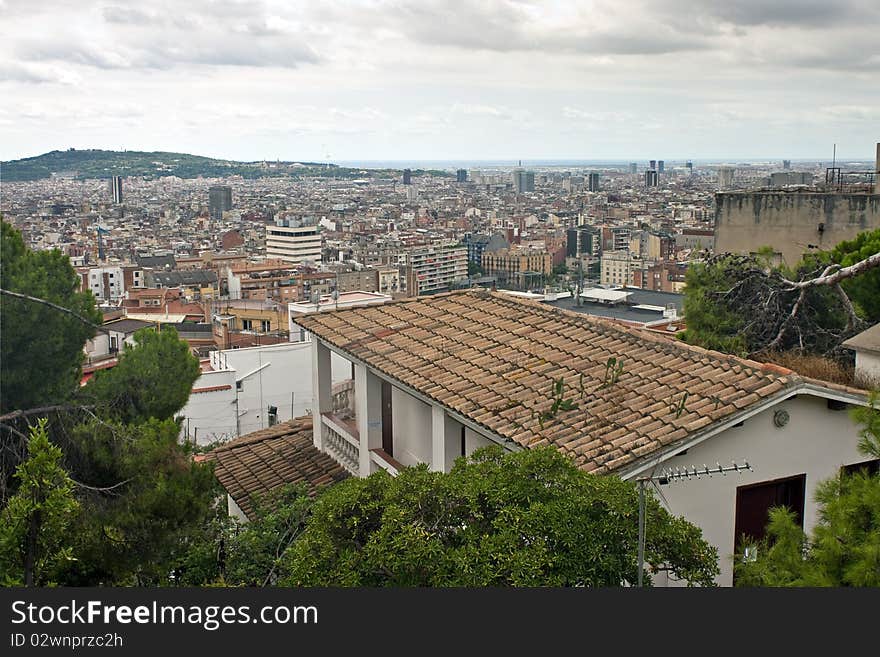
{"x":358,"y":371}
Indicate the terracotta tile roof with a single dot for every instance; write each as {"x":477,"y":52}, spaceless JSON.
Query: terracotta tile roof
{"x":493,"y":358}
{"x":263,"y":460}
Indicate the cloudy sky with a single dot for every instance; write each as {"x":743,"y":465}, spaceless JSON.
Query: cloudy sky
{"x":623,"y":79}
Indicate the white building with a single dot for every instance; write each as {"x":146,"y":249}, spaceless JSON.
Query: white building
{"x":438,"y":377}
{"x":617,"y":267}
{"x":294,"y":240}
{"x":237,"y":386}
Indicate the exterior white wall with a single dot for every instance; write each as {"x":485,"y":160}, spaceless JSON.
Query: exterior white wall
{"x":234,"y":510}
{"x":816,"y":442}
{"x":411,"y":421}
{"x":98,"y":346}
{"x":210,"y":416}
{"x":286,"y":384}
{"x":474,"y":441}
{"x":868,"y":366}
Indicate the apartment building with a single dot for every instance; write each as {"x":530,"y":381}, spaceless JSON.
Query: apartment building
{"x":433,"y":268}
{"x":518,"y":267}
{"x":294,"y":240}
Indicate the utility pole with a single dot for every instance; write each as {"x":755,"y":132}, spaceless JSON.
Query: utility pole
{"x":668,"y":476}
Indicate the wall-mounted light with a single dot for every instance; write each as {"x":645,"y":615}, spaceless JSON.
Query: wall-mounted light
{"x":781,"y":418}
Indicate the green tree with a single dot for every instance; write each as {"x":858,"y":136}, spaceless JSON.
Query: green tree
{"x":844,"y":548}
{"x":474,"y":269}
{"x":35,"y":524}
{"x":524,"y":519}
{"x":36,"y":337}
{"x":152,"y":495}
{"x":711,"y":323}
{"x":246,"y":554}
{"x":153,"y":378}
{"x":864,"y":290}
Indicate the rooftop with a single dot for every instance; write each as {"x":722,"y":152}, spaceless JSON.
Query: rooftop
{"x":867,"y":340}
{"x":259,"y":462}
{"x":493,"y":359}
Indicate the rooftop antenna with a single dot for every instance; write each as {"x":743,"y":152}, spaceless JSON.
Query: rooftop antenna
{"x":672,"y":475}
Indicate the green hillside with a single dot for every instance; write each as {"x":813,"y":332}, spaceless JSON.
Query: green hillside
{"x":104,"y":164}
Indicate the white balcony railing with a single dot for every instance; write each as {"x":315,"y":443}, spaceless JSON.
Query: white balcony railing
{"x":341,"y":442}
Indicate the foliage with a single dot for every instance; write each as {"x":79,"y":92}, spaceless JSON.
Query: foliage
{"x":710,"y":322}
{"x":35,"y":524}
{"x":864,"y":290}
{"x":744,"y":306}
{"x":474,"y":269}
{"x":38,"y":338}
{"x":844,"y":549}
{"x":93,"y":163}
{"x":523,"y":519}
{"x":157,"y":494}
{"x":153,"y":378}
{"x":248,"y":554}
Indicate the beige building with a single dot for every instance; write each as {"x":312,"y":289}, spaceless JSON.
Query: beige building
{"x":513,"y":266}
{"x":792,"y":223}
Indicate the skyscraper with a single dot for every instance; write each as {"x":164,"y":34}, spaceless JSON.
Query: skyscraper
{"x":116,"y":188}
{"x":660,"y":166}
{"x":690,"y":166}
{"x":523,"y":181}
{"x":651,"y":178}
{"x":219,"y":200}
{"x":461,"y":175}
{"x":407,"y":177}
{"x":633,"y":167}
{"x":593,"y":182}
{"x":653,"y":165}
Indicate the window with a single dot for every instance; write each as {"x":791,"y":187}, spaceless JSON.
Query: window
{"x":264,"y":325}
{"x":871,"y":467}
{"x":753,"y":503}
{"x":247,"y":325}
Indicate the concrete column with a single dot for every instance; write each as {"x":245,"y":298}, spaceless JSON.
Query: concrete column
{"x":322,"y":381}
{"x":445,"y":440}
{"x":368,"y":411}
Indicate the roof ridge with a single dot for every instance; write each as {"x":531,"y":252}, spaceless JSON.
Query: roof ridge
{"x":286,"y":428}
{"x":664,"y":344}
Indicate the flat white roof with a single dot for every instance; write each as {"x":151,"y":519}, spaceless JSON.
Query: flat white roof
{"x":345,"y":299}
{"x":601,"y":294}
{"x":162,"y":318}
{"x":645,"y":306}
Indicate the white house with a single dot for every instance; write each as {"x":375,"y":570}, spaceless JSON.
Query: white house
{"x":237,"y":387}
{"x":437,"y":377}
{"x":867,"y":347}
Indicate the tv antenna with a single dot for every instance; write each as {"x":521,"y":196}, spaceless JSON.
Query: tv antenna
{"x":670,"y":476}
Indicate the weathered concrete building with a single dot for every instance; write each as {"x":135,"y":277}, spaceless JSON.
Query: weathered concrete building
{"x":792,"y":223}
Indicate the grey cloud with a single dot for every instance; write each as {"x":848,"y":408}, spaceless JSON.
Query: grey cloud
{"x":504,"y":26}
{"x":794,"y":13}
{"x":166,"y":53}
{"x":17,"y":73}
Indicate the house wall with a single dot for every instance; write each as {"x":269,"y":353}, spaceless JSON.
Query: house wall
{"x":288,"y":378}
{"x":411,"y":420}
{"x":816,"y":442}
{"x":285,"y":384}
{"x":210,"y":416}
{"x":868,"y":366}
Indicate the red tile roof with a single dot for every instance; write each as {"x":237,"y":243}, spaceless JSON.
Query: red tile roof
{"x":493,"y":359}
{"x":261,"y":461}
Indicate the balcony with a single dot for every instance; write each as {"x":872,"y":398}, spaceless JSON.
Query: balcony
{"x":342,"y":441}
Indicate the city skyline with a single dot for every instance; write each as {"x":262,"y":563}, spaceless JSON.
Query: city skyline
{"x":389,"y":81}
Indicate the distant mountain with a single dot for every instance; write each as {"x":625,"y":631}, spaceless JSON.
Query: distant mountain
{"x":104,"y":164}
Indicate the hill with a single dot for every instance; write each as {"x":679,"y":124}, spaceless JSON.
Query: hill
{"x":104,"y":164}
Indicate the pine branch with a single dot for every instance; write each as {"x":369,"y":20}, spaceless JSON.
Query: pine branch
{"x":27,"y":297}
